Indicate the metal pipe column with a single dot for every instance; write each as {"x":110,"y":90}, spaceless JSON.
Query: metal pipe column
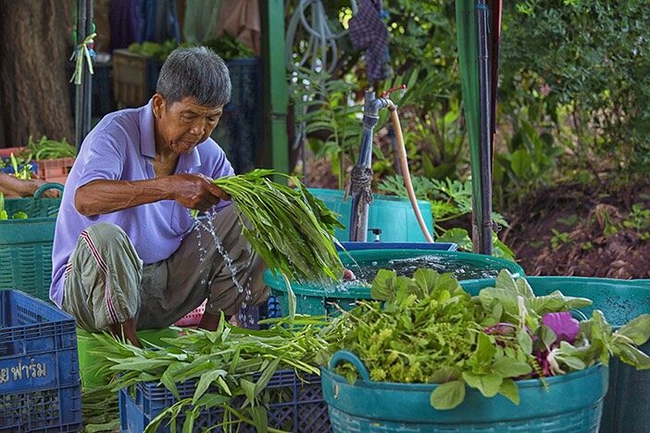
{"x":83,"y":94}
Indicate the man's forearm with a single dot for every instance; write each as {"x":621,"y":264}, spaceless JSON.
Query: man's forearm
{"x":106,"y":196}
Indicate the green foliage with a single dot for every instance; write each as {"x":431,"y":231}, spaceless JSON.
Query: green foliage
{"x":328,"y":117}
{"x":450,"y":200}
{"x":558,"y":239}
{"x":529,"y":163}
{"x":229,"y":48}
{"x":22,"y":171}
{"x":290,"y":229}
{"x":47,"y":148}
{"x":639,"y":220}
{"x":154,"y":49}
{"x":224,"y":364}
{"x":588,"y":62}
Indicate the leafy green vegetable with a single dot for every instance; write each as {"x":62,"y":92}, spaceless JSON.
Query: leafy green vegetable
{"x":229,"y":47}
{"x":227,"y":363}
{"x":46,"y":148}
{"x":3,"y":211}
{"x":291,"y":230}
{"x":4,"y":215}
{"x":427,"y":329}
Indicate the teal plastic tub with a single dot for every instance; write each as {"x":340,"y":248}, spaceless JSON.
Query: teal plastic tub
{"x":317,"y":299}
{"x":572,"y":403}
{"x":627,"y":404}
{"x":392,"y":215}
{"x":26,"y":244}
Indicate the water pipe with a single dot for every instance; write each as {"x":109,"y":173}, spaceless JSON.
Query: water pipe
{"x":483,"y":204}
{"x":360,"y":184}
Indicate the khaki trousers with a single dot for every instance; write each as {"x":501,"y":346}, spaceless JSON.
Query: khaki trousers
{"x":106,"y":282}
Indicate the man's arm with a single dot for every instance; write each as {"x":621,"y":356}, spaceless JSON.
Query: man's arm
{"x":105,"y":196}
{"x":11,"y":186}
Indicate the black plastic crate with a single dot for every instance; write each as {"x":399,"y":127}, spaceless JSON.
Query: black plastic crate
{"x":40,"y":386}
{"x":241,"y":126}
{"x":297,"y":405}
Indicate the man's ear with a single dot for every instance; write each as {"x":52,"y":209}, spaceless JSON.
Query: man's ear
{"x":159,"y":105}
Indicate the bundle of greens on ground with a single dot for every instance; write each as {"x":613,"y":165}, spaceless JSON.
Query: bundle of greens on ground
{"x":427,"y":329}
{"x":290,"y":229}
{"x":230,"y":367}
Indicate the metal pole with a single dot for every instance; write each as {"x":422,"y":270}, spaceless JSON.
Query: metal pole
{"x":83,"y":93}
{"x":360,"y":185}
{"x":484,"y":220}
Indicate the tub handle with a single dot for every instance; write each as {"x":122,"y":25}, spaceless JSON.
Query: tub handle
{"x":347,"y":356}
{"x":50,"y":185}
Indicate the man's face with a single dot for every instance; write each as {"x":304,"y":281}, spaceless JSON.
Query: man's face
{"x":184,"y":124}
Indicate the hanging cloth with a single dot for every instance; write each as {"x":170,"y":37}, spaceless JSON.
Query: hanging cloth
{"x":201,"y":20}
{"x":123,"y":23}
{"x":158,"y":21}
{"x":368,"y":32}
{"x":241,"y":19}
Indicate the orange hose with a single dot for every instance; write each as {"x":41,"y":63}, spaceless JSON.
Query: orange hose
{"x":405,"y":171}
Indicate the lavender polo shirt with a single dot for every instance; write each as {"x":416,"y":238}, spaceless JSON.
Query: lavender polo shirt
{"x":122,"y":147}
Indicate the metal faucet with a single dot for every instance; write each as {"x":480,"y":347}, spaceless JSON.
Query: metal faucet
{"x":361,"y":181}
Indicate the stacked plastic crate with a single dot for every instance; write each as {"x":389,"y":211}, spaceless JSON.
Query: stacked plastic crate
{"x":40,"y":388}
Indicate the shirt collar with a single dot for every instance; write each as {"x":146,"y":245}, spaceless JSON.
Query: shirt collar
{"x":147,"y":134}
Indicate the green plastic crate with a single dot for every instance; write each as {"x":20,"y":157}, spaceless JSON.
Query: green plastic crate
{"x":26,"y":244}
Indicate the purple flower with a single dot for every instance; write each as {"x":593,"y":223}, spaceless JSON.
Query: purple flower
{"x":565,"y":327}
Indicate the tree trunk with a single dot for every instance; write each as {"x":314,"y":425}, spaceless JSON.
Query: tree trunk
{"x":34,"y":87}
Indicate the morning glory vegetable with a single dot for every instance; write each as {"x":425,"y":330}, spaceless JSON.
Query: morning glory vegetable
{"x":289,"y":228}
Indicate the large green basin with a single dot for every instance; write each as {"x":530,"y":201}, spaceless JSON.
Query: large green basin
{"x":316,"y":299}
{"x":627,"y":405}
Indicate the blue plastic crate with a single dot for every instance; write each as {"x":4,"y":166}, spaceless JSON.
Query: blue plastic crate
{"x":8,"y":168}
{"x":40,"y":387}
{"x":296,"y":406}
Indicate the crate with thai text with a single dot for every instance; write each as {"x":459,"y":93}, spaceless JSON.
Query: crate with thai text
{"x":40,"y":386}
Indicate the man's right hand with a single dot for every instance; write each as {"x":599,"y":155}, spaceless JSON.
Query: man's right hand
{"x":196,"y":191}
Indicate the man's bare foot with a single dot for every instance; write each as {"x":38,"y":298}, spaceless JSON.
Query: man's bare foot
{"x":209,"y":321}
{"x":126,"y":330}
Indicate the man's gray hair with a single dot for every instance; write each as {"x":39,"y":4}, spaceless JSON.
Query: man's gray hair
{"x":195,"y":72}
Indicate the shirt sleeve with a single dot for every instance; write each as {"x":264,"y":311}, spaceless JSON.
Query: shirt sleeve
{"x":103,"y":157}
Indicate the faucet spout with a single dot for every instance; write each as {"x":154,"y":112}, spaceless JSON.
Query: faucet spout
{"x":360,"y":184}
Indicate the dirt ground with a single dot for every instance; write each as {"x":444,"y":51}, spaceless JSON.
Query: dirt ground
{"x":574,"y":230}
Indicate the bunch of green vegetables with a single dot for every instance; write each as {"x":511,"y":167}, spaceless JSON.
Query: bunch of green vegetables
{"x":291,"y":230}
{"x":230,"y":367}
{"x":100,"y":409}
{"x":19,"y":164}
{"x":46,"y":148}
{"x":154,"y":49}
{"x":4,"y":215}
{"x":229,"y":48}
{"x":427,"y":329}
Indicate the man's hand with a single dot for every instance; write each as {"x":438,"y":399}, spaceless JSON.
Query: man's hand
{"x":198,"y":192}
{"x":49,"y":193}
